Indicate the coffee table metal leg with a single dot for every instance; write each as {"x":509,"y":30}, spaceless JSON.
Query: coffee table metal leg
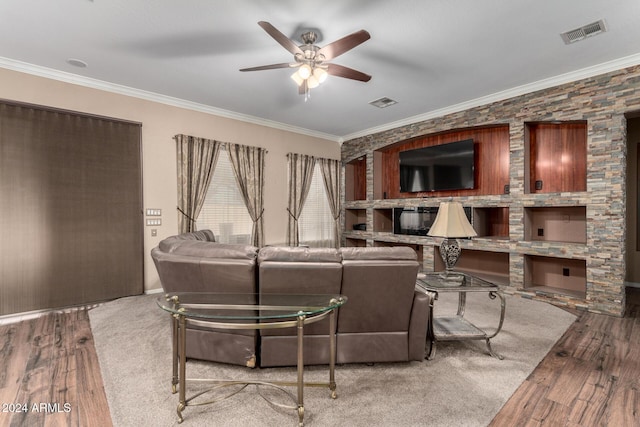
{"x":182,"y":339}
{"x":332,"y":356}
{"x":174,"y":338}
{"x":300,"y":327}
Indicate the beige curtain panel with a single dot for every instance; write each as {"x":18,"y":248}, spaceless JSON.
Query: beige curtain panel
{"x":300,"y":174}
{"x":248,"y":167}
{"x":196,"y":162}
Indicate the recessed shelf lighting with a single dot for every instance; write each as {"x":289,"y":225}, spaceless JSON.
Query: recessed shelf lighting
{"x":77,"y":63}
{"x":383,"y":102}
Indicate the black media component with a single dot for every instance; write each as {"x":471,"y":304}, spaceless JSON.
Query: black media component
{"x":417,"y":221}
{"x":438,"y":167}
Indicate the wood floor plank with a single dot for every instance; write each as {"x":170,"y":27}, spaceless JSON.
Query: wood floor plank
{"x":34,"y":387}
{"x":624,"y":406}
{"x":525,"y":399}
{"x":63,"y":390}
{"x":591,"y":404}
{"x":92,"y":402}
{"x":550,"y":413}
{"x":14,"y":351}
{"x":569,"y":383}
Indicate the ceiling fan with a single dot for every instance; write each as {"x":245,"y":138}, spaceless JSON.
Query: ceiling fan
{"x":311,"y":61}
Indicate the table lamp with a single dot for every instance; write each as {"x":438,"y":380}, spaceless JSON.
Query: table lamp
{"x":451,"y":223}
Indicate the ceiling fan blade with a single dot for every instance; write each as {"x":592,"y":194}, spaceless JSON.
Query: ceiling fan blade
{"x":270,"y":67}
{"x":284,"y":41}
{"x":347,"y":73}
{"x":344,"y":44}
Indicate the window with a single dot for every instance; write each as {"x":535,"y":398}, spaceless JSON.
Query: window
{"x":224,"y":211}
{"x":315,"y":225}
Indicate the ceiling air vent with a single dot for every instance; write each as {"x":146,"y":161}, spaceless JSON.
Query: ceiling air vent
{"x":583,"y":32}
{"x":383,"y":102}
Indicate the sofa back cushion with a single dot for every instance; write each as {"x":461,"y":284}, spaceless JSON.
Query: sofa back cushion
{"x":296,"y":270}
{"x":379,"y":283}
{"x":299,"y":270}
{"x":193,"y":265}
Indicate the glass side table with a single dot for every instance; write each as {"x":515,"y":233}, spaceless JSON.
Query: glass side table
{"x":248,"y":311}
{"x":457,"y":328}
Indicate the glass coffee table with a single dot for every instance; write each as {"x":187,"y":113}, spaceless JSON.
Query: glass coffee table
{"x":249,"y":311}
{"x":457,"y":328}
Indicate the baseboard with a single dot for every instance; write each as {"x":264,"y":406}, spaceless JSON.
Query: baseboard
{"x":632,"y":284}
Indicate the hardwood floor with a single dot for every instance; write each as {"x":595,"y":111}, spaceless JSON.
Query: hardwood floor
{"x":591,"y":377}
{"x":49,"y":373}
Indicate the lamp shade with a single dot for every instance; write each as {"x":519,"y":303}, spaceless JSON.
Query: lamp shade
{"x":451,"y":221}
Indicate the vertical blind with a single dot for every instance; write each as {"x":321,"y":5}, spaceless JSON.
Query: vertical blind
{"x":70,"y":208}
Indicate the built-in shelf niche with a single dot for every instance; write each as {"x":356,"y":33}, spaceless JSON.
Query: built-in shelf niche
{"x":557,"y":153}
{"x":353,"y":217}
{"x":491,"y":222}
{"x":488,"y":265}
{"x":557,"y":224}
{"x":555,"y":275}
{"x":355,"y":179}
{"x":383,"y":220}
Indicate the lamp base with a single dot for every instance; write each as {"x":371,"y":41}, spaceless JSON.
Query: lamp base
{"x":450,"y":252}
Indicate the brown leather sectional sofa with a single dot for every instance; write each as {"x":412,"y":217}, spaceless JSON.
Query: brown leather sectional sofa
{"x":384,"y":320}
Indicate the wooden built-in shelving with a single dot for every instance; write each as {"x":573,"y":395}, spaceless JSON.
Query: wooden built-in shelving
{"x":533,"y":245}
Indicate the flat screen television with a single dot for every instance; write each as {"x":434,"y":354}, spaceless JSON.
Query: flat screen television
{"x":438,"y":168}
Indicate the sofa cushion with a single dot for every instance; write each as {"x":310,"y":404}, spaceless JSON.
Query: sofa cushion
{"x":379,"y":253}
{"x":298,"y":254}
{"x":196,"y":248}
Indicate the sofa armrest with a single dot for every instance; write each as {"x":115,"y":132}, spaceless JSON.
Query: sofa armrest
{"x":422,"y":306}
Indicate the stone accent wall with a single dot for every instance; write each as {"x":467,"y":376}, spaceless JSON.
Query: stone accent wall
{"x":602,"y":102}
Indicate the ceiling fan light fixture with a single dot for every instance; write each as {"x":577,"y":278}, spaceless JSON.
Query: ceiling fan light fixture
{"x":304,"y":71}
{"x":320,"y":74}
{"x":296,"y":78}
{"x":312,"y":82}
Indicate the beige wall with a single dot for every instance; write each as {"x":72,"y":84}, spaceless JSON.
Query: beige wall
{"x":160,"y":123}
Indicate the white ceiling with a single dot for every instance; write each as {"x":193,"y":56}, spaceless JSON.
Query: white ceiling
{"x":431,"y":56}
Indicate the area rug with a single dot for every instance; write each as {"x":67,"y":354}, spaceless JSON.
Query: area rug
{"x":461,"y":386}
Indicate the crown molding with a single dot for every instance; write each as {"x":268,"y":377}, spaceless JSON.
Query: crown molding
{"x":572,"y":76}
{"x":569,"y":77}
{"x":75,"y":79}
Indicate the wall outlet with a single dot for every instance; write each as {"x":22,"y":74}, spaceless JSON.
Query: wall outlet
{"x":565,"y":271}
{"x":540,"y":232}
